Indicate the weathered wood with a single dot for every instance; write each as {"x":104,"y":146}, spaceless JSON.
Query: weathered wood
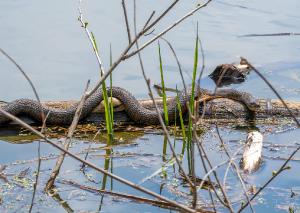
{"x":221,"y":109}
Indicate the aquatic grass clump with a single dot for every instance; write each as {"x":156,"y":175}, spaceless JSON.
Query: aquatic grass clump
{"x":192,"y":98}
{"x":186,"y":133}
{"x":108,"y":107}
{"x":109,"y":119}
{"x":190,"y":147}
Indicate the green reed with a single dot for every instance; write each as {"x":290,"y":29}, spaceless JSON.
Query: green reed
{"x":108,"y":120}
{"x":107,"y":108}
{"x":110,"y":82}
{"x":104,"y":177}
{"x":111,"y":114}
{"x":192,"y":108}
{"x":192,"y":98}
{"x":166,"y":115}
{"x":164,"y":96}
{"x":184,"y":138}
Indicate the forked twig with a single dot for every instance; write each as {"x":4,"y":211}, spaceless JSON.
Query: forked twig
{"x":149,"y":19}
{"x":167,"y":29}
{"x":281,"y":169}
{"x":39,"y":166}
{"x":90,"y":37}
{"x":43,"y":120}
{"x":71,"y":130}
{"x":202,"y":152}
{"x":161,"y":204}
{"x":231,"y":162}
{"x":273,"y":89}
{"x":158,"y":111}
{"x":177,"y":61}
{"x":120,"y":179}
{"x":126,"y":21}
{"x":125,"y":51}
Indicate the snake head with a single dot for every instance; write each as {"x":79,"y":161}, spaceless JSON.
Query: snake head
{"x":253,"y":105}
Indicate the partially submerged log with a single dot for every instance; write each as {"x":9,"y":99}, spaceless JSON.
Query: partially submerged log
{"x":221,"y":109}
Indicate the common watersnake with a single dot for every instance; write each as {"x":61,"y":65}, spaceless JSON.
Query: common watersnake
{"x":133,"y":108}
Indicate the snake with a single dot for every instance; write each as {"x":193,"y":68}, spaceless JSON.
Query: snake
{"x":135,"y":111}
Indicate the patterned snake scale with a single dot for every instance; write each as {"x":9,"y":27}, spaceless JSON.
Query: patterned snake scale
{"x":133,"y":108}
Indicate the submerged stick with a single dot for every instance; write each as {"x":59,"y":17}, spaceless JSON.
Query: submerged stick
{"x":60,"y":160}
{"x":93,"y":166}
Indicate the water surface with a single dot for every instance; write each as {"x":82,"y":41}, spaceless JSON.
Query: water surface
{"x":46,"y":39}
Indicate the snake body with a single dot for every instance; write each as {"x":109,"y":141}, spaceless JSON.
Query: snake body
{"x":133,"y":108}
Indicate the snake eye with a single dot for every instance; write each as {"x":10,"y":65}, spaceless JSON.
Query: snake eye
{"x":254,"y":105}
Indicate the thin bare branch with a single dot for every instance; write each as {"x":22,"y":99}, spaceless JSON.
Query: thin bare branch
{"x":273,"y":89}
{"x":90,"y":36}
{"x":203,"y":60}
{"x":161,"y":204}
{"x":236,"y":168}
{"x":27,"y":78}
{"x":123,"y":56}
{"x":126,"y":21}
{"x":67,"y":142}
{"x":177,"y":61}
{"x":161,"y":16}
{"x":122,"y":180}
{"x":39,"y":165}
{"x":281,"y":169}
{"x":158,"y":111}
{"x":149,"y":19}
{"x":167,"y":29}
{"x":202,"y":152}
{"x":43,"y":120}
{"x":209,"y":179}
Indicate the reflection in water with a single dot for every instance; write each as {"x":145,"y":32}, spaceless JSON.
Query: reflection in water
{"x":85,"y":132}
{"x":61,"y":201}
{"x":142,"y":157}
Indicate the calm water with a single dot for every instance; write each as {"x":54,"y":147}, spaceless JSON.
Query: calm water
{"x":46,"y":39}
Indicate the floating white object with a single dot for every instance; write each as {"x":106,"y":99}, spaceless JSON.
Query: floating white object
{"x":252,"y":153}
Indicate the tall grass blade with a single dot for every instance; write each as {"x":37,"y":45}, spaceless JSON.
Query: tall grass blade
{"x":108,"y":120}
{"x":107,"y":113}
{"x":183,"y":130}
{"x":110,"y":81}
{"x":163,"y":88}
{"x":191,"y":105}
{"x":111,"y":112}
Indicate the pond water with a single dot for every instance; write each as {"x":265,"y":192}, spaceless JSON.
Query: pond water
{"x":46,"y":39}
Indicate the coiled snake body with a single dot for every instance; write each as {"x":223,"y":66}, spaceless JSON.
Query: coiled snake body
{"x":133,"y":108}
